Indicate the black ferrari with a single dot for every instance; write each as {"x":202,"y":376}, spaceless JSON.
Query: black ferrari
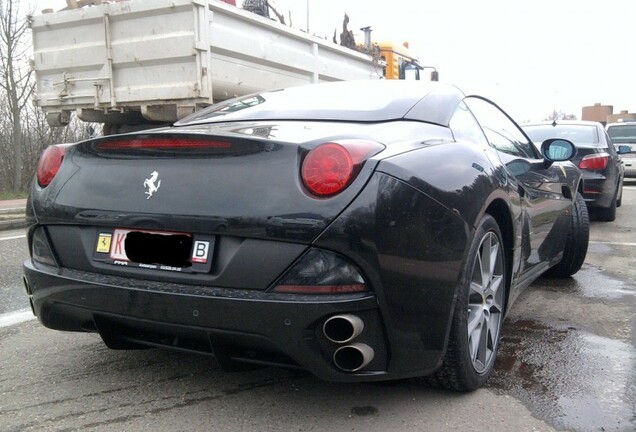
{"x":357,"y":230}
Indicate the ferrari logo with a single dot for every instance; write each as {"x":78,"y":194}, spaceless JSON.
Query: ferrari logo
{"x":152,"y":184}
{"x":103,"y":243}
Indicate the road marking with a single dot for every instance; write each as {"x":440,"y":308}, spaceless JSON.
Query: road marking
{"x":629,"y":187}
{"x":13,"y":238}
{"x":614,"y":243}
{"x":17,"y":317}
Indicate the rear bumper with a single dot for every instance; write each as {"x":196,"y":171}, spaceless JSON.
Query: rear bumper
{"x":235,"y":326}
{"x":598,"y":190}
{"x":630,"y":167}
{"x":410,"y":256}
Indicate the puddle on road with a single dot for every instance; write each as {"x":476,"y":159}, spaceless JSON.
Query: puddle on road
{"x":572,"y":379}
{"x":589,"y":282}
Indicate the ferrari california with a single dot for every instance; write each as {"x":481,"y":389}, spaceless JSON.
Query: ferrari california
{"x":357,"y":230}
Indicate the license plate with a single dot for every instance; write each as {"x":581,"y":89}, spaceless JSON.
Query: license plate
{"x":155,"y":250}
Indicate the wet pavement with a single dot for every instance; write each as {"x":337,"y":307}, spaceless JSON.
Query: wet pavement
{"x":569,"y":369}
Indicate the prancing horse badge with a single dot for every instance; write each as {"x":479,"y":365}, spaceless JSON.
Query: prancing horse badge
{"x":152,"y":184}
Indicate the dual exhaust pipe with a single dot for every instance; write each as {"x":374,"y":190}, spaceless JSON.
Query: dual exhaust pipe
{"x":343,"y":329}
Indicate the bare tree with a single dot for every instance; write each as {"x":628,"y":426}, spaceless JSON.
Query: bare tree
{"x":560,"y":115}
{"x":15,"y":78}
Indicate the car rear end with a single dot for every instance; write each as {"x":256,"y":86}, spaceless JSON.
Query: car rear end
{"x":600,"y":165}
{"x":601,"y":175}
{"x":166,"y":239}
{"x":624,"y":133}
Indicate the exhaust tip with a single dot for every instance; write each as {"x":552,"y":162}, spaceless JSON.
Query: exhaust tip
{"x":343,"y":328}
{"x":352,"y":358}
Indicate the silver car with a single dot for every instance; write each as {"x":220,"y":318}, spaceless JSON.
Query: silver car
{"x":625,"y":134}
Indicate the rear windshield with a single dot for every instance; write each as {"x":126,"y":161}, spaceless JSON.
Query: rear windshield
{"x":578,"y":134}
{"x":622,"y":134}
{"x":358,"y":101}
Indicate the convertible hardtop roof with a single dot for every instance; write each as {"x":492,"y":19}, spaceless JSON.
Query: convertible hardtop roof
{"x":357,"y":101}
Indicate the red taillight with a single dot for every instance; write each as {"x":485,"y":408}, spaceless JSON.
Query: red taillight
{"x":49,"y":164}
{"x":329,"y":168}
{"x":163,"y":143}
{"x":594,"y":162}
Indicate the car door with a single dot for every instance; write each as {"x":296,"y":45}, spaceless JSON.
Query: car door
{"x":543,"y":190}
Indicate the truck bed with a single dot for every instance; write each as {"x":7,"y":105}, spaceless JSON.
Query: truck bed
{"x":158,"y":60}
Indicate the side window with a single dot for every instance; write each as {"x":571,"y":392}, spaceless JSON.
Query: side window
{"x":464,"y":122}
{"x":501,"y":132}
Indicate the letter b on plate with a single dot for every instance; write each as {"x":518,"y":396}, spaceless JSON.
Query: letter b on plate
{"x":200,"y":252}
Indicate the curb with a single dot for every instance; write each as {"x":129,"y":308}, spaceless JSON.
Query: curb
{"x":12,"y":218}
{"x":12,"y":211}
{"x":13,"y":224}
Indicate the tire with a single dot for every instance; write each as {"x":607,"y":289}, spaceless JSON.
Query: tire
{"x":576,"y":241}
{"x":478,"y":314}
{"x":608,"y":214}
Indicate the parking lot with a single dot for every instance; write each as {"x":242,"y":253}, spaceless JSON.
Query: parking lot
{"x":566,"y":362}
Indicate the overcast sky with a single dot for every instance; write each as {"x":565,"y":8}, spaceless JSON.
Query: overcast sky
{"x":529,"y":56}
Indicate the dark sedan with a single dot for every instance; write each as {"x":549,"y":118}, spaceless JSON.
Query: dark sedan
{"x":370,"y":230}
{"x":602,"y":167}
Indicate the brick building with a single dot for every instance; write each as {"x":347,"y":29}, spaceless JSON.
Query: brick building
{"x":605,"y":114}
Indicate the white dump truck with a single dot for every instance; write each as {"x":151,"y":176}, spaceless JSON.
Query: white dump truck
{"x":145,"y":62}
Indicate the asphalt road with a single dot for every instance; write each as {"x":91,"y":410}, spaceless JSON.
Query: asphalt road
{"x":567,"y":362}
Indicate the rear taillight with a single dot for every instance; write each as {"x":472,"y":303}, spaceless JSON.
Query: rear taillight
{"x":321,"y":272}
{"x":49,"y":164}
{"x":329,"y":168}
{"x":594,"y":161}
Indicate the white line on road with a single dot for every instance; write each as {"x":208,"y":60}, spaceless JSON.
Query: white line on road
{"x":17,"y":317}
{"x":13,"y":238}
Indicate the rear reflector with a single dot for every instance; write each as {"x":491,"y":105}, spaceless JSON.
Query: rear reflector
{"x":320,"y":289}
{"x":40,"y":248}
{"x":163,"y":143}
{"x":49,"y":164}
{"x":594,"y":161}
{"x":592,"y":192}
{"x":329,"y":168}
{"x":321,"y":272}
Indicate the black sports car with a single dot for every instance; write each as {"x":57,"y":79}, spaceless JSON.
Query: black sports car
{"x":359,"y":230}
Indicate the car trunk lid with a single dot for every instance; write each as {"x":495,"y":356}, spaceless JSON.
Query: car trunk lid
{"x":186,"y":180}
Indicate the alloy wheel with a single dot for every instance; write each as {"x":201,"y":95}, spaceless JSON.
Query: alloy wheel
{"x":485,"y":302}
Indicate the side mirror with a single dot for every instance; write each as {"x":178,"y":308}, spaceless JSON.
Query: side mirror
{"x":623,"y":149}
{"x":434,"y":76}
{"x":557,"y":150}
